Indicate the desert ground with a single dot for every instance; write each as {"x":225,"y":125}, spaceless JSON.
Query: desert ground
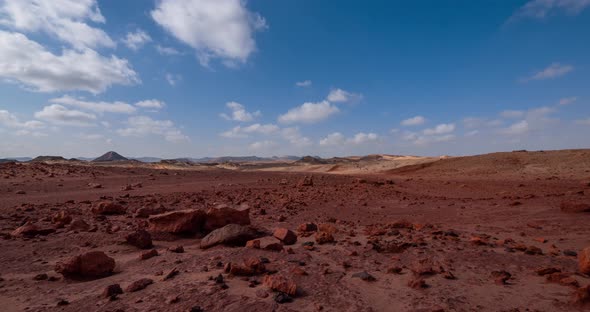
{"x":495,"y":232}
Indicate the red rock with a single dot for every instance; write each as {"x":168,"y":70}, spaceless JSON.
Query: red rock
{"x":582,"y":295}
{"x":108,"y":208}
{"x":139,"y":285}
{"x":261,"y":293}
{"x":569,"y":281}
{"x":140,"y":239}
{"x":254,"y":243}
{"x":91,"y":264}
{"x":501,"y":277}
{"x":584,"y":260}
{"x":148,"y":254}
{"x":286,"y":236}
{"x":305,"y":181}
{"x":574,"y":207}
{"x":307,"y":227}
{"x":546,"y":271}
{"x":28,"y":230}
{"x":532,"y":250}
{"x":145,"y":212}
{"x":178,"y":222}
{"x":417,"y":283}
{"x":112,"y":291}
{"x":78,"y":225}
{"x":280,"y":283}
{"x":223,"y":215}
{"x":176,"y":249}
{"x":328,"y":228}
{"x":231,"y":234}
{"x":61,"y":218}
{"x":324,"y":238}
{"x":270,"y":243}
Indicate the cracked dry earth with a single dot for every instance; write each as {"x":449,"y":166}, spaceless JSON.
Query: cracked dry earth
{"x":411,"y":241}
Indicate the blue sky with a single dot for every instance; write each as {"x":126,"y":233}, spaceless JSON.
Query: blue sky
{"x":228,"y":77}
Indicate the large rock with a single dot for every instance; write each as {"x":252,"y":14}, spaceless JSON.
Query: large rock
{"x":78,"y":225}
{"x":140,"y":239}
{"x":574,"y":207}
{"x":231,"y":234}
{"x":178,"y":222}
{"x":108,"y":208}
{"x":91,"y":264}
{"x":280,"y":283}
{"x":145,"y":212}
{"x":584,"y":260}
{"x":223,"y":215}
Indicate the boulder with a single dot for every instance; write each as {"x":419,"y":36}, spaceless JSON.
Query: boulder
{"x":108,"y":208}
{"x":286,"y":236}
{"x":140,"y":239}
{"x":93,"y":264}
{"x":584,"y":260}
{"x":324,"y":238}
{"x":178,"y":222}
{"x":28,"y":230}
{"x":78,"y":225}
{"x":270,"y":243}
{"x":146,"y":212}
{"x":231,"y":234}
{"x":61,"y":218}
{"x":574,"y":207}
{"x":307,"y":227}
{"x":148,"y":254}
{"x":223,"y":215}
{"x":112,"y":291}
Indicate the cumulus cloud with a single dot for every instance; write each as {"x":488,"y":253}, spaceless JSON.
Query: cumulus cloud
{"x":65,"y":20}
{"x":414,"y":121}
{"x":262,"y":145}
{"x":141,"y":126}
{"x":517,"y":128}
{"x":305,"y":83}
{"x":60,"y":115}
{"x":27,"y":62}
{"x":553,"y":71}
{"x":341,"y":96}
{"x":98,"y":107}
{"x":152,"y":104}
{"x":512,"y":114}
{"x":294,"y":137}
{"x":239,"y":113}
{"x":244,"y":132}
{"x":136,"y":40}
{"x":221,"y":29}
{"x":309,"y":113}
{"x":540,"y":9}
{"x":440,"y":129}
{"x":9,"y":120}
{"x":335,"y":138}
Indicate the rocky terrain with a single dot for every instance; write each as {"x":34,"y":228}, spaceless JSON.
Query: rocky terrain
{"x":497,"y":232}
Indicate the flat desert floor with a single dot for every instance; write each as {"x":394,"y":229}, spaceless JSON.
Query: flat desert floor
{"x":481,"y":233}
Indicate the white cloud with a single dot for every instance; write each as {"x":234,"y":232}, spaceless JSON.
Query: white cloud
{"x":425,"y":140}
{"x":244,"y":132}
{"x":136,"y":40}
{"x":141,"y":126}
{"x":262,"y":145}
{"x":542,"y":8}
{"x":440,"y":129}
{"x":60,"y":115}
{"x":294,"y":137}
{"x":337,"y":139}
{"x":214,"y":28}
{"x":91,"y":137}
{"x":567,"y":100}
{"x":239,"y":113}
{"x":153,"y":104}
{"x":554,"y":70}
{"x":173,"y":79}
{"x":472,"y":133}
{"x":98,"y":107}
{"x":65,"y":20}
{"x":414,"y":121}
{"x":341,"y":96}
{"x":517,"y":128}
{"x":166,"y":50}
{"x":11,"y":121}
{"x":309,"y":113}
{"x":27,"y":62}
{"x":305,"y":83}
{"x":512,"y":114}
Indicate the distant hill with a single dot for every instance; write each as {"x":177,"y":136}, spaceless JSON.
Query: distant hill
{"x":241,"y":159}
{"x":110,"y":156}
{"x":48,"y":158}
{"x":147,"y":159}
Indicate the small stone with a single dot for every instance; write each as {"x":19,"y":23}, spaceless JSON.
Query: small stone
{"x":307,"y":227}
{"x":140,"y":239}
{"x":171,"y":274}
{"x":176,"y":249}
{"x":364,"y":276}
{"x":172,"y":299}
{"x":324,"y":238}
{"x":62,"y":302}
{"x":282,"y":298}
{"x":584,"y":260}
{"x":112,"y":291}
{"x":417,"y":283}
{"x":501,"y":277}
{"x":148,"y":254}
{"x":281,"y":284}
{"x":91,"y":264}
{"x":108,"y":208}
{"x":261,"y":293}
{"x":546,"y":271}
{"x":41,"y":277}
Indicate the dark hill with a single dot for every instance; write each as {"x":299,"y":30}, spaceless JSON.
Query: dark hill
{"x":110,"y":156}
